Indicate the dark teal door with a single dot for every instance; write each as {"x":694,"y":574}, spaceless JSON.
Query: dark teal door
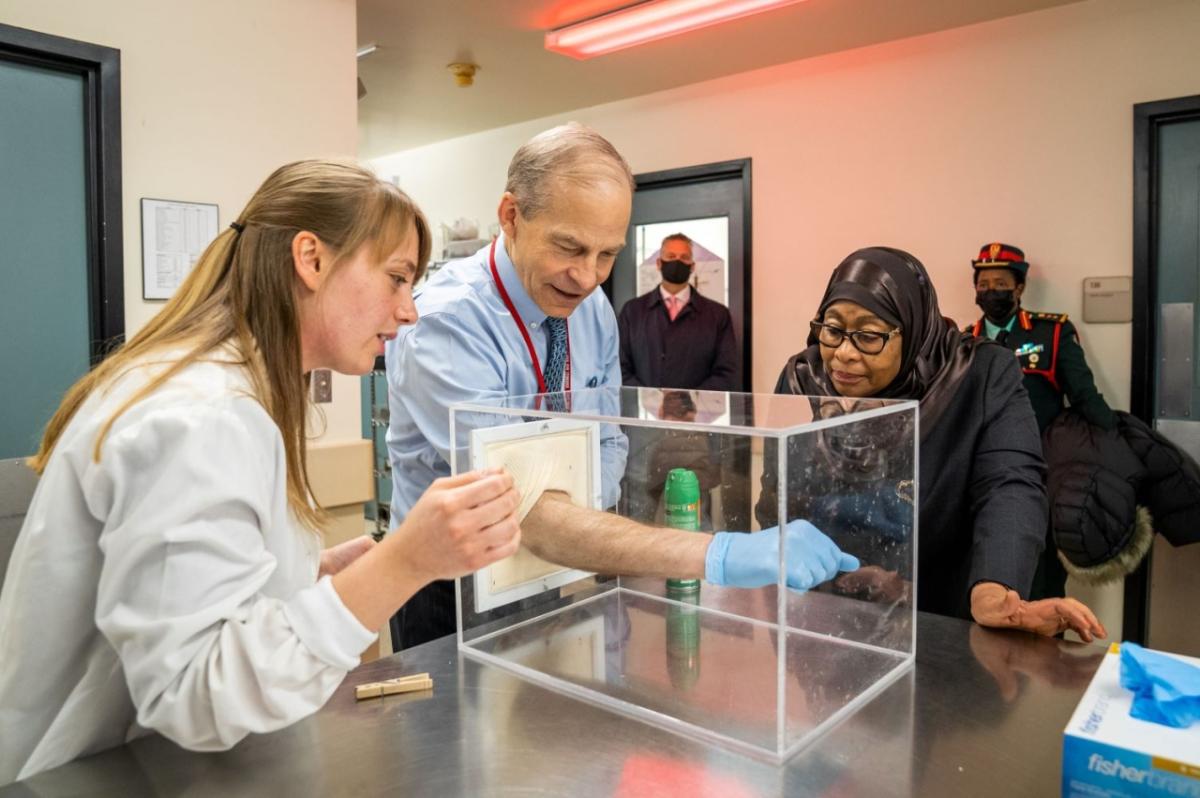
{"x":43,"y":248}
{"x":60,"y":223}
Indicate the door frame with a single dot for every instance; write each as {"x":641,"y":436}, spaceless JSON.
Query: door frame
{"x":737,"y":169}
{"x":1147,"y":119}
{"x":100,"y":68}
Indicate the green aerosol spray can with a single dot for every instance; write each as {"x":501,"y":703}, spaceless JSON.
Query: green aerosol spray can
{"x":681,"y":499}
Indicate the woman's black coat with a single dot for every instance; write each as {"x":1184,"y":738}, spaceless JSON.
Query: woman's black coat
{"x":982,"y":496}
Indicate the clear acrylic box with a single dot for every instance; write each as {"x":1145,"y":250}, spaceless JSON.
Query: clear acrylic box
{"x":764,"y":671}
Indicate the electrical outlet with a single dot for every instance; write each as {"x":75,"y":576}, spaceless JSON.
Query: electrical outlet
{"x":322,"y":386}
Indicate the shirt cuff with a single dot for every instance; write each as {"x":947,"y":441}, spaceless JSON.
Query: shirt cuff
{"x":1003,"y":584}
{"x":326,"y":627}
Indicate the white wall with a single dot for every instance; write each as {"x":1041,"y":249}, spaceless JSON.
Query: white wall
{"x":214,"y":96}
{"x":1017,"y":130}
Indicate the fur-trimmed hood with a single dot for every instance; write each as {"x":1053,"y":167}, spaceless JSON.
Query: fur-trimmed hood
{"x":1110,"y":490}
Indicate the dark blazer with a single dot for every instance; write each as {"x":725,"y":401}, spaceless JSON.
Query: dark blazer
{"x":982,"y":503}
{"x":696,"y":351}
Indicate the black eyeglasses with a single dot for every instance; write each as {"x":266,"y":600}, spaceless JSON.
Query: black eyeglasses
{"x":866,"y":341}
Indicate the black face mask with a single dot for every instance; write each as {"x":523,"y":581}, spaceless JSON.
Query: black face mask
{"x":676,"y":271}
{"x":997,"y":305}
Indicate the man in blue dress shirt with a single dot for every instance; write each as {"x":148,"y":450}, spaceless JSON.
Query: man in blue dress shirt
{"x":520,"y":317}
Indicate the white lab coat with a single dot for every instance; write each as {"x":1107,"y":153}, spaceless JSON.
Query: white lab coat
{"x":167,"y":587}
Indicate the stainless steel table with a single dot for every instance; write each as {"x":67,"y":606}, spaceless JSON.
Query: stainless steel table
{"x":982,"y":714}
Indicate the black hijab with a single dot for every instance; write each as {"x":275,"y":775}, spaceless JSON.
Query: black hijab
{"x":894,"y":286}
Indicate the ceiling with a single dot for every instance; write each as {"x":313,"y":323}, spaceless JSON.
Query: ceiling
{"x":412,"y":99}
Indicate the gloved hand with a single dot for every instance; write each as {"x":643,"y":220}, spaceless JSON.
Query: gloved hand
{"x":739,"y":559}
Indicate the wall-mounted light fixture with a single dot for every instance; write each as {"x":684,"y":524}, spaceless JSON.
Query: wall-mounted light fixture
{"x":649,"y":21}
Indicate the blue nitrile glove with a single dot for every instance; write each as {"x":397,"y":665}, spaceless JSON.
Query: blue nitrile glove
{"x":1166,"y":689}
{"x":740,"y":559}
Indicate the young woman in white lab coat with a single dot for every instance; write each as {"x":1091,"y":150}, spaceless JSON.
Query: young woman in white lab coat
{"x":170,"y":574}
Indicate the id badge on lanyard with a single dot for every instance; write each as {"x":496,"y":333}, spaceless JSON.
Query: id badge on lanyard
{"x":537,"y":365}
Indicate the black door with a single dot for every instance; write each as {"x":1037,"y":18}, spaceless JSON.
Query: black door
{"x":711,"y":205}
{"x":1161,"y":596}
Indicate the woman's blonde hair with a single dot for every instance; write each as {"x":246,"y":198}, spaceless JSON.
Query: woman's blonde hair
{"x":242,"y":294}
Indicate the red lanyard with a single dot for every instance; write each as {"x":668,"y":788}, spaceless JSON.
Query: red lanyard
{"x":537,"y":366}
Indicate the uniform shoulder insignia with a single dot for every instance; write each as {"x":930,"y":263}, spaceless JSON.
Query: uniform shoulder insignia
{"x":1055,"y":317}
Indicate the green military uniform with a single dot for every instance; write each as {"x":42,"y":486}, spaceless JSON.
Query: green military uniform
{"x":1047,"y":348}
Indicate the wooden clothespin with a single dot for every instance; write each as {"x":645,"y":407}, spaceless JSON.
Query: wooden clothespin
{"x":403,"y":684}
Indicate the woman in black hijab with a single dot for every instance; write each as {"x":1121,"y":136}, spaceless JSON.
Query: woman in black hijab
{"x":879,"y":333}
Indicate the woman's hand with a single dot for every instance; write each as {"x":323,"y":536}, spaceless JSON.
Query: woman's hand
{"x":458,"y":526}
{"x":335,"y":558}
{"x":993,"y":604}
{"x":461,"y":524}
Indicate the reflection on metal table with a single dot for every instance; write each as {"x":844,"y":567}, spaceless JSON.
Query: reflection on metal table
{"x":981,"y":714}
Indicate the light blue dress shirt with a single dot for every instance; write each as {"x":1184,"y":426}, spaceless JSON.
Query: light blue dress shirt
{"x":466,"y":347}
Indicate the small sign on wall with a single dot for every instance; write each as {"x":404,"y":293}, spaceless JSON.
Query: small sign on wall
{"x":174,"y":235}
{"x":1107,"y":300}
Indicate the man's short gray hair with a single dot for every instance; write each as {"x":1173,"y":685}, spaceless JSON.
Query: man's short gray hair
{"x":677,"y":237}
{"x":573,"y":153}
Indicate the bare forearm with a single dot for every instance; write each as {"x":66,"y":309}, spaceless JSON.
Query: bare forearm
{"x":378,"y":583}
{"x":576,"y":537}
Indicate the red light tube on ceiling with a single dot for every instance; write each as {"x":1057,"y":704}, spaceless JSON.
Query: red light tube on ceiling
{"x":650,"y":21}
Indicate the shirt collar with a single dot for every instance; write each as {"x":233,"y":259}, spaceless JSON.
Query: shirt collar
{"x":993,"y":330}
{"x":683,"y":296}
{"x":529,"y":310}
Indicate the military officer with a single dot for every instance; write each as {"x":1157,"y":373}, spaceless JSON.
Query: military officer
{"x":1048,"y":350}
{"x":1046,"y":344}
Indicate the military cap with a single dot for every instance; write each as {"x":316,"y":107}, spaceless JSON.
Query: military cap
{"x":1002,"y":256}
